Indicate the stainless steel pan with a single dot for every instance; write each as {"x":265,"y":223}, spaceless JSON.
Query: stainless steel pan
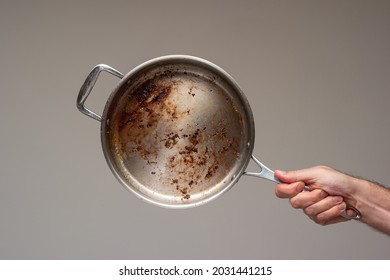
{"x":177,"y":131}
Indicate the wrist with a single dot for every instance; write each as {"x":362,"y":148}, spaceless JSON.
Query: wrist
{"x":359,"y":195}
{"x":358,"y":188}
{"x":371,"y":200}
{"x":353,"y":188}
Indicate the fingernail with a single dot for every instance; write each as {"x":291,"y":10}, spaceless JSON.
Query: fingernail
{"x":337,"y":199}
{"x":300,"y":186}
{"x":323,"y":194}
{"x":341,"y":206}
{"x":351,"y":213}
{"x":281,"y":172}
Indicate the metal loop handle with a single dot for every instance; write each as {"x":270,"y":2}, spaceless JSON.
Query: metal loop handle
{"x":265,"y":172}
{"x":88,"y":85}
{"x":268,"y":174}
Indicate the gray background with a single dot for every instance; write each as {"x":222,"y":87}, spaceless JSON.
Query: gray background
{"x":315,"y":72}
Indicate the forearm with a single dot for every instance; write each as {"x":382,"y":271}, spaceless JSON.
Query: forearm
{"x":373,"y":201}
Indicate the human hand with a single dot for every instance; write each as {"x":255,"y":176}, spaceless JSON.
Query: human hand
{"x":329,"y":189}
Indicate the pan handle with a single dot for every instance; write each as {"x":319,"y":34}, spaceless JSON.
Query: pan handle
{"x":264,"y":173}
{"x":268,"y":174}
{"x":89,"y":83}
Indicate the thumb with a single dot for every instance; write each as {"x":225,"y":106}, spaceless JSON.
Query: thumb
{"x":303,"y":175}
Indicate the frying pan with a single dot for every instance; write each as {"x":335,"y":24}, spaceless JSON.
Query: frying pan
{"x":177,"y":130}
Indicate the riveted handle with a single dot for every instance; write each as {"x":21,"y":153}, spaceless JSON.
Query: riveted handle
{"x":88,"y":85}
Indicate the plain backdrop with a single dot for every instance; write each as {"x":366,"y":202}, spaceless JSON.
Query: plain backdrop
{"x":317,"y":76}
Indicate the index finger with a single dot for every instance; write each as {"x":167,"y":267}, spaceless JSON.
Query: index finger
{"x":289,"y":190}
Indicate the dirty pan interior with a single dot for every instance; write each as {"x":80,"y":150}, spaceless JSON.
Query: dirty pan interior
{"x":177,"y":131}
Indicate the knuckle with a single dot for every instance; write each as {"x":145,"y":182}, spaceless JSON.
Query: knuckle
{"x":322,"y":223}
{"x":313,"y":218}
{"x":283,"y":191}
{"x":322,"y":168}
{"x":309,"y":211}
{"x":278,"y":193}
{"x":295,"y":203}
{"x":321,"y":220}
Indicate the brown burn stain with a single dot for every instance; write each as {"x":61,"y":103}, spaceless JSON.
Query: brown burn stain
{"x":198,"y":161}
{"x":145,"y":107}
{"x":171,"y":141}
